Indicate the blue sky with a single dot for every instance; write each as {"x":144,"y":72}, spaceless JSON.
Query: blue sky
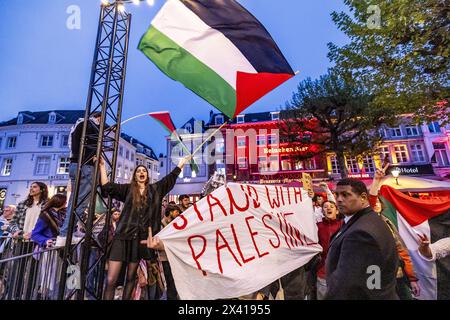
{"x":44,"y":65}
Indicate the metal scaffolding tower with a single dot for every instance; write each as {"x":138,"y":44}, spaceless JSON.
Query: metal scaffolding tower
{"x":86,"y":260}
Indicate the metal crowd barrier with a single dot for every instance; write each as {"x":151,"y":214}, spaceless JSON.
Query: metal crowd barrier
{"x":28,"y":272}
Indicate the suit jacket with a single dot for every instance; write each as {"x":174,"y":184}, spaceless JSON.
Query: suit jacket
{"x":362,"y":242}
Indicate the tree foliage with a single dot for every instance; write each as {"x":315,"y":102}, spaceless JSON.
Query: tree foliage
{"x":400,"y":50}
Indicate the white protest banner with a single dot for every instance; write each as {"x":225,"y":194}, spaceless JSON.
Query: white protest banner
{"x":239,"y":239}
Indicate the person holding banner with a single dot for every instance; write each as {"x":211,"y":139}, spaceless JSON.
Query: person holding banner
{"x":141,"y":213}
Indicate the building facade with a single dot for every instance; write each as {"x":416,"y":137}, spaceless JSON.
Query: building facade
{"x":254,"y":153}
{"x":417,"y":150}
{"x":189,"y":182}
{"x":34,"y":146}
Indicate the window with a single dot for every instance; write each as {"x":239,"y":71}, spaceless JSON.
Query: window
{"x":155,"y":167}
{"x":286,"y":163}
{"x":417,"y":153}
{"x":6,"y":166}
{"x":20,"y":119}
{"x":219,"y":119}
{"x":65,"y":140}
{"x":220,"y":146}
{"x":334,"y":165}
{"x":310,"y":164}
{"x":263,"y":166}
{"x":119,"y":171}
{"x":52,"y":117}
{"x":42,"y":166}
{"x":434,"y":127}
{"x":46,"y":141}
{"x":1,"y":139}
{"x":385,"y":154}
{"x":412,"y":131}
{"x":352,"y":164}
{"x":368,"y":164}
{"x":188,"y":128}
{"x":242,"y":163}
{"x":260,"y":140}
{"x":240,"y":119}
{"x":401,"y":154}
{"x":275,"y":116}
{"x":127,"y":154}
{"x":11,"y":142}
{"x":220,"y":166}
{"x":132,"y":156}
{"x":272,"y":139}
{"x":382,"y":133}
{"x":396,"y":132}
{"x":274,"y":164}
{"x":441,"y":154}
{"x":63,"y":165}
{"x":121,"y":151}
{"x":241,"y":141}
{"x":299,"y":165}
{"x":125,"y":175}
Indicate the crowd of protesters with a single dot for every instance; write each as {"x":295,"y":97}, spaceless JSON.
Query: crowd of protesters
{"x":351,"y":228}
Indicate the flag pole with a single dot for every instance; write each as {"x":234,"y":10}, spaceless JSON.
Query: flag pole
{"x":210,"y":136}
{"x":135,"y":117}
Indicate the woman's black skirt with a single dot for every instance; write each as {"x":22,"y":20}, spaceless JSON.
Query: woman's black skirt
{"x":129,"y":251}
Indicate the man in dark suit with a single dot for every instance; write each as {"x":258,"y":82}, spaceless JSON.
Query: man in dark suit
{"x":362,"y":259}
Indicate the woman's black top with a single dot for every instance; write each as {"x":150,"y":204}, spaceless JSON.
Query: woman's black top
{"x":134,"y":222}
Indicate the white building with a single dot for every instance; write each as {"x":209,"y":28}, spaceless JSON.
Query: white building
{"x":34,"y":147}
{"x":188,"y":181}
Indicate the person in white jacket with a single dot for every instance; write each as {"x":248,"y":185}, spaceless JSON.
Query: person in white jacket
{"x":434,"y":251}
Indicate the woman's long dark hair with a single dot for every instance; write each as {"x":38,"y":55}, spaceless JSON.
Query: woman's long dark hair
{"x":57,"y":201}
{"x":139,"y":200}
{"x":43,"y":197}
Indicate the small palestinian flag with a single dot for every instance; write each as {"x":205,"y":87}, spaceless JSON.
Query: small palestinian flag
{"x":217,"y":49}
{"x":412,"y":217}
{"x":164,"y":119}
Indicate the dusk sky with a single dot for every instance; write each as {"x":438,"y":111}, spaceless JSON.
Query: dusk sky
{"x":46,"y":66}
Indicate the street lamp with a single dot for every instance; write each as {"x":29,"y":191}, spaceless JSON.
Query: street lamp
{"x":395,"y":173}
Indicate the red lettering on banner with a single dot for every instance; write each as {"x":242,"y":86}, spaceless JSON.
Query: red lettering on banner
{"x":177,"y":219}
{"x":297,"y":236}
{"x":233,"y":204}
{"x":216,"y":203}
{"x":200,"y":217}
{"x":253,"y":234}
{"x":274,"y":232}
{"x":273,"y":203}
{"x":245,"y":260}
{"x":289,"y":194}
{"x":281,"y":229}
{"x":256,"y":203}
{"x":225,"y":245}
{"x":194,"y":256}
{"x":297,"y":192}
{"x":289,"y":229}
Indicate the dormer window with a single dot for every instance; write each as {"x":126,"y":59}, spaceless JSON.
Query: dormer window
{"x":20,"y":119}
{"x":275,"y":116}
{"x":219,"y":119}
{"x":240,"y":119}
{"x":188,"y":128}
{"x":51,"y":117}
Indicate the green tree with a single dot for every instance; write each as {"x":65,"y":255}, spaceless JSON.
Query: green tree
{"x":400,"y":50}
{"x":335,"y":116}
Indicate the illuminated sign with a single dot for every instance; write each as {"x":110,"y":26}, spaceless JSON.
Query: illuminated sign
{"x":360,"y":175}
{"x":414,"y":169}
{"x":285,"y":150}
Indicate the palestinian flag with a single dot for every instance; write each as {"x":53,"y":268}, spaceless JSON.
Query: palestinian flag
{"x":164,"y":119}
{"x":414,"y":216}
{"x":217,"y":49}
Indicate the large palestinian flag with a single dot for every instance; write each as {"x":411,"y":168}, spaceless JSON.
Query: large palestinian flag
{"x":217,"y":49}
{"x":430,"y":217}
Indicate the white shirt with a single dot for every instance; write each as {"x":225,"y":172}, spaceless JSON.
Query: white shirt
{"x":440,"y":249}
{"x":31,"y":218}
{"x":318,"y":214}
